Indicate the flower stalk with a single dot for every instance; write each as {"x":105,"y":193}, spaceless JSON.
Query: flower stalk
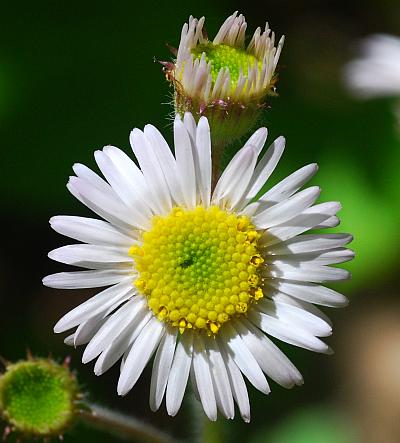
{"x":122,"y":425}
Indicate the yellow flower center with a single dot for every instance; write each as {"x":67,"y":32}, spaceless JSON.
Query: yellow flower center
{"x":199,"y":268}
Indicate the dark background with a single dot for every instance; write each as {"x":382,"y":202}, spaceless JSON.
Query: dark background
{"x":75,"y":76}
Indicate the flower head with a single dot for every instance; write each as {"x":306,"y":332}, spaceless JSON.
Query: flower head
{"x":223,"y":79}
{"x":198,"y":276}
{"x":38,"y":397}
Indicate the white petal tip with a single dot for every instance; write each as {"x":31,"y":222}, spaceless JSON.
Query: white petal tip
{"x":345,"y":302}
{"x":281,"y":139}
{"x":172,"y":407}
{"x":122,"y":389}
{"x":266,"y":390}
{"x":329,"y":351}
{"x":154,"y":407}
{"x":58,"y":329}
{"x":347,"y":275}
{"x":121,"y":392}
{"x":86,"y":359}
{"x":52,"y":255}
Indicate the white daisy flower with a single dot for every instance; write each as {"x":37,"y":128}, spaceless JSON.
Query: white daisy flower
{"x":200,"y":278}
{"x":376,"y":72}
{"x":223,"y":79}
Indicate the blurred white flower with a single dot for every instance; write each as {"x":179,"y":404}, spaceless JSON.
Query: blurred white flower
{"x":376,"y":72}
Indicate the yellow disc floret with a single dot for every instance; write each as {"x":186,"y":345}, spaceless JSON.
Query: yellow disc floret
{"x":199,"y":268}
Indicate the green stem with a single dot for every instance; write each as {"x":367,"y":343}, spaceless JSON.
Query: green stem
{"x":197,"y":418}
{"x":203,"y":430}
{"x":217,"y":153}
{"x":122,"y":425}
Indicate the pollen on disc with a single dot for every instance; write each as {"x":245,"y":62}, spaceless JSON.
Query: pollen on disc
{"x":199,"y":268}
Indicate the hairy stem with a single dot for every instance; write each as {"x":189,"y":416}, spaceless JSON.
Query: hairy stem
{"x":217,"y":153}
{"x":124,"y":426}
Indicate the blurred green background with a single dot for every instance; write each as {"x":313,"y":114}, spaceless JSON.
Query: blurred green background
{"x":75,"y":76}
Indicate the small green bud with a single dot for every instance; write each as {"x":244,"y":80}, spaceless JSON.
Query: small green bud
{"x":223,"y":79}
{"x":38,"y":397}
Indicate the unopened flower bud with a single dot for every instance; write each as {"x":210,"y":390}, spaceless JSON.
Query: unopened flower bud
{"x":223,"y":79}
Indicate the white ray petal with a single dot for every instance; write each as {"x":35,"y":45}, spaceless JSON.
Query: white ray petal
{"x":124,"y":186}
{"x":287,"y":333}
{"x":201,"y":366}
{"x":115,"y":325}
{"x":287,"y":209}
{"x":281,"y":297}
{"x":329,"y":257}
{"x":90,"y":230}
{"x":190,"y":125}
{"x":309,"y":243}
{"x":266,"y":167}
{"x":69,"y":340}
{"x":296,"y":316}
{"x":141,"y":352}
{"x":166,"y":160}
{"x":133,"y":178}
{"x":306,"y":272}
{"x":122,"y":343}
{"x":270,"y":358}
{"x":220,"y":378}
{"x":238,"y":385}
{"x":203,"y":144}
{"x":106,"y":204}
{"x":330,"y":222}
{"x":234,"y":180}
{"x":151,"y":170}
{"x":310,"y":292}
{"x":94,"y":306}
{"x":86,"y":174}
{"x":287,"y":187}
{"x":86,"y":279}
{"x":179,"y":374}
{"x":161,"y":368}
{"x":224,"y":29}
{"x":308,"y":219}
{"x":243,"y":358}
{"x":258,"y":139}
{"x":90,"y":256}
{"x":193,"y":383}
{"x":185,"y":162}
{"x":87,"y":329}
